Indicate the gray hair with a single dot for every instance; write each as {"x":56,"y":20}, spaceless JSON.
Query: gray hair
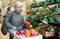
{"x":18,"y":3}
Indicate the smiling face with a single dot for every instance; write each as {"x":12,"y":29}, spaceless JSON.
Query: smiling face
{"x":18,"y":8}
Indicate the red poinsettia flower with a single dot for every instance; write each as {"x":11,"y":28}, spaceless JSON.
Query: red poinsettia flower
{"x":45,"y":29}
{"x":27,"y":24}
{"x":27,"y":13}
{"x":47,"y":24}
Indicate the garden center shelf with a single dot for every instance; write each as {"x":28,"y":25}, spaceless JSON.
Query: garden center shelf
{"x":56,"y":24}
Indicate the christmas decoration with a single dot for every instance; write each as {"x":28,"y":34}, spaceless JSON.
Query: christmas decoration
{"x":28,"y":33}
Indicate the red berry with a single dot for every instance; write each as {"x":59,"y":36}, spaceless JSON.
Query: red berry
{"x":44,"y":29}
{"x":47,"y":24}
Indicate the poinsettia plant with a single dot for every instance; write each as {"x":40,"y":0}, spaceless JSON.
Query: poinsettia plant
{"x":45,"y":27}
{"x":28,"y":12}
{"x":39,"y":15}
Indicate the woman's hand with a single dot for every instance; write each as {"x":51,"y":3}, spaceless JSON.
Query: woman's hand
{"x":14,"y":28}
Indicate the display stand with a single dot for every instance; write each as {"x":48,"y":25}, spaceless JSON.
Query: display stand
{"x":22,"y":37}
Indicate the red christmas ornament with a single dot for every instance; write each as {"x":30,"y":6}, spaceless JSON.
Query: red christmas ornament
{"x":27,"y":13}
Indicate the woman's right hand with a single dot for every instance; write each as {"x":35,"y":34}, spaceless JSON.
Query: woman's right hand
{"x":14,"y":28}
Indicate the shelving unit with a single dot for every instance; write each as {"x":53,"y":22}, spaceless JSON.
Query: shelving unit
{"x":41,"y":4}
{"x":50,"y":2}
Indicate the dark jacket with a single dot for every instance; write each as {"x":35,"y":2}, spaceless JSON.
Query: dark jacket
{"x":4,"y":28}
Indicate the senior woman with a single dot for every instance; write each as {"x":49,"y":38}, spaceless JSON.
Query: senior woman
{"x":15,"y":19}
